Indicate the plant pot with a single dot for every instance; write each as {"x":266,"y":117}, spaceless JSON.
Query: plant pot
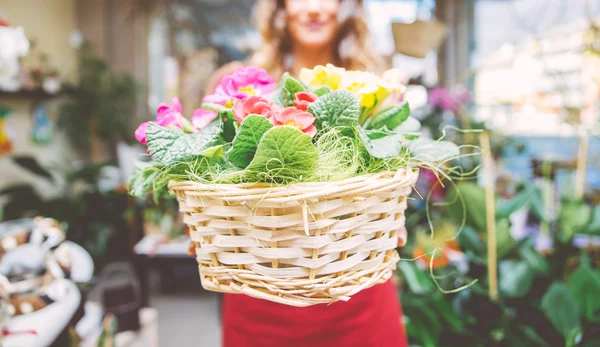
{"x":301,"y":244}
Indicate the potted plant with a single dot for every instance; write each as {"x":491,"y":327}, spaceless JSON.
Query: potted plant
{"x":293,"y":192}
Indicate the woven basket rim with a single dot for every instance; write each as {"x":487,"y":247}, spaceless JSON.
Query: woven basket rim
{"x":177,"y":184}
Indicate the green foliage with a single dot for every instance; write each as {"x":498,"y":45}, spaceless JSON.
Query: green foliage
{"x":474,"y":203}
{"x":101,"y":103}
{"x":245,"y":143}
{"x":390,"y":117}
{"x":584,"y":284}
{"x":286,"y":90}
{"x":430,"y":151}
{"x":574,"y":216}
{"x":283,"y":155}
{"x":381,"y":148}
{"x":338,"y":108}
{"x":167,"y":145}
{"x":323,"y":90}
{"x":560,"y":307}
{"x":515,"y":278}
{"x":410,"y":125}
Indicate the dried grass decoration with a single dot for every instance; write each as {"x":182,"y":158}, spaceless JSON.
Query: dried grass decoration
{"x":295,"y":192}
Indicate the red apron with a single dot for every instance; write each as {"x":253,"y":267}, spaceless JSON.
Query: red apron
{"x":372,"y":318}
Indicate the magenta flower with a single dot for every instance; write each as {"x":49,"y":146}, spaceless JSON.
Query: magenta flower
{"x":166,"y":116}
{"x":244,"y":82}
{"x":294,"y":117}
{"x":448,"y":100}
{"x":202,"y":117}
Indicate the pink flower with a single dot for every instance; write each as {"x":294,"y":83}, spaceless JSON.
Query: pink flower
{"x":292,"y":116}
{"x":244,"y":82}
{"x":303,"y":99}
{"x":448,"y":100}
{"x":166,"y":116}
{"x":202,"y":118}
{"x":253,"y":105}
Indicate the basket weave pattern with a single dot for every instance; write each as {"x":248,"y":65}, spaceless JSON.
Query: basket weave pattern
{"x":301,"y":244}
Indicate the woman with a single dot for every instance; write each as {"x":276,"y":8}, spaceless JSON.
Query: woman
{"x":297,"y":34}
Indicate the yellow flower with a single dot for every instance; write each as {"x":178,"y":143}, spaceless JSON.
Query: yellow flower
{"x":370,"y":89}
{"x":320,"y":75}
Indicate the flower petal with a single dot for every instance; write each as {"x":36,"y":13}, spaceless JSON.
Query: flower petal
{"x":202,"y":118}
{"x":140,"y":133}
{"x":304,"y":119}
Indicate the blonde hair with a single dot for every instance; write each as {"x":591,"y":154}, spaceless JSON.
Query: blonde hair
{"x":352,"y":48}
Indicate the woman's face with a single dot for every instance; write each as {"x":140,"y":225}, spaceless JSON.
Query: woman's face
{"x":312,"y":24}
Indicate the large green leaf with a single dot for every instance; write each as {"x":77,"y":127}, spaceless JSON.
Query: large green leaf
{"x":474,"y":203}
{"x":381,"y":148}
{"x":246,"y":141}
{"x":584,"y":284}
{"x":289,"y":86}
{"x":506,"y":207}
{"x":573,"y":216}
{"x":337,"y":108}
{"x":284,"y":153}
{"x":167,"y":146}
{"x":515,"y":278}
{"x":410,"y":125}
{"x":559,"y":305}
{"x":594,"y":226}
{"x":430,"y":151}
{"x":418,"y":281}
{"x":391,"y":116}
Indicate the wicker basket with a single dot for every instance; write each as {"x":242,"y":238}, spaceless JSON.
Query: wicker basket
{"x":299,"y":245}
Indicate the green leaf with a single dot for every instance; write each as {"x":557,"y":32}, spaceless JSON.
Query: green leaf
{"x":381,"y":148}
{"x":573,"y":216}
{"x":430,"y":151}
{"x":537,"y":207}
{"x":291,"y":87}
{"x":515,"y":278}
{"x":506,"y":207}
{"x":474,"y":203}
{"x":286,"y":90}
{"x":504,"y":240}
{"x":167,"y":146}
{"x":584,"y":284}
{"x":142,"y":178}
{"x":410,"y":125}
{"x":284,"y":154}
{"x":594,"y":226}
{"x":561,"y":309}
{"x":337,"y":108}
{"x":323,"y":90}
{"x":535,"y":260}
{"x":215,"y":107}
{"x":469,"y":241}
{"x":391,"y":116}
{"x":247,"y":139}
{"x":418,"y":281}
